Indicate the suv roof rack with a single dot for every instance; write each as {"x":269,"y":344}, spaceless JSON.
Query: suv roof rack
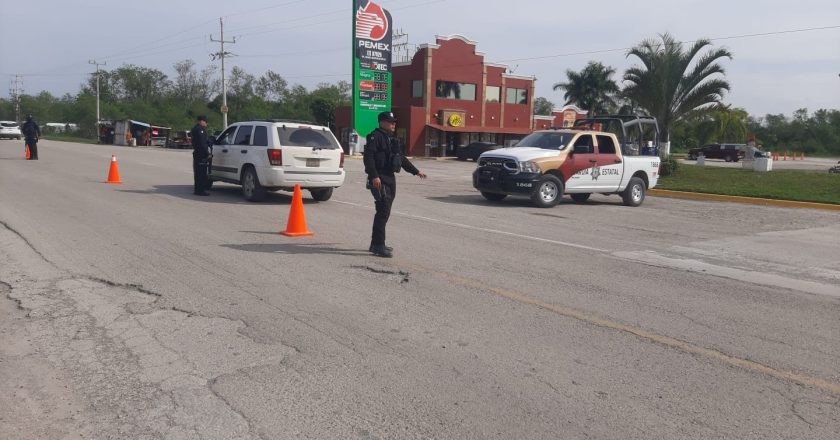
{"x":293,"y":121}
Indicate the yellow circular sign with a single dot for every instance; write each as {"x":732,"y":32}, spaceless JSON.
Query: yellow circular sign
{"x":455,"y":120}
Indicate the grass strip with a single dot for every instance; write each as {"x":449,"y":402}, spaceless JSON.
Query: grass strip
{"x":802,"y":186}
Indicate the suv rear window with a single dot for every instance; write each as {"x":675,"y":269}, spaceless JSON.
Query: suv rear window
{"x":306,"y":137}
{"x":9,"y":124}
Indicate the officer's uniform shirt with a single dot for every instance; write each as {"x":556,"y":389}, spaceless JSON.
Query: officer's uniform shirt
{"x":31,"y":130}
{"x":379,"y":152}
{"x":199,"y":142}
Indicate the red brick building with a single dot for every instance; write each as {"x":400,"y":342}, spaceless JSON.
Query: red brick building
{"x":448,"y":96}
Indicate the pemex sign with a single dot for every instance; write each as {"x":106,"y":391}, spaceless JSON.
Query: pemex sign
{"x":371,"y":64}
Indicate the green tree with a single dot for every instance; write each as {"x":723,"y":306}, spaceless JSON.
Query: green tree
{"x":543,"y":106}
{"x":591,"y":89}
{"x":672,"y":83}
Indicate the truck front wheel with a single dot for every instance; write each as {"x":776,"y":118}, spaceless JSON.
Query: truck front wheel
{"x":548,"y":191}
{"x":634,"y":194}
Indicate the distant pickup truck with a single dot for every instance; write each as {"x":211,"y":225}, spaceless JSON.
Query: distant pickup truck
{"x":727,"y":152}
{"x":549,"y":163}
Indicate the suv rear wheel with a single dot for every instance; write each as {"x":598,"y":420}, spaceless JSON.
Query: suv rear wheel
{"x":548,"y":191}
{"x":251,"y":187}
{"x":321,"y":195}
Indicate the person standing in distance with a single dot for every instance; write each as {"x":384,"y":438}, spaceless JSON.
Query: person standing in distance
{"x":383,"y":158}
{"x":201,"y":157}
{"x":31,"y":132}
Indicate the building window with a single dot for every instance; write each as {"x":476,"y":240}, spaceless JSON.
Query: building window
{"x":454,"y":90}
{"x":517,"y":96}
{"x":417,"y":88}
{"x":493,"y":94}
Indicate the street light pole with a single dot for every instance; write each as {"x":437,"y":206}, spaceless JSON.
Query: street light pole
{"x":97,"y":94}
{"x":221,"y":54}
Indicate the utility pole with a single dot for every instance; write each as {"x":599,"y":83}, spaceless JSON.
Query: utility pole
{"x":97,"y":93}
{"x":222,"y":54}
{"x":15,"y":91}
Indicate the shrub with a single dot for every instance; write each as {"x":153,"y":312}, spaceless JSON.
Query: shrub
{"x":668,"y":166}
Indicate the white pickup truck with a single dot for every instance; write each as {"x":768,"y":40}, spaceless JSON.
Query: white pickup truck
{"x":548,"y":163}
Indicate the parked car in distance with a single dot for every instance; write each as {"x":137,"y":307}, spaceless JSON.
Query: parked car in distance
{"x":180,"y":139}
{"x":473,"y":150}
{"x":9,"y":130}
{"x":272,"y":155}
{"x":727,"y":152}
{"x":835,"y":169}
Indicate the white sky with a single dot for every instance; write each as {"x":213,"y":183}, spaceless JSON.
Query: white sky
{"x":308,"y":41}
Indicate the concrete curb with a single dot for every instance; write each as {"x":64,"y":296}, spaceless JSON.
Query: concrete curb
{"x":739,"y":199}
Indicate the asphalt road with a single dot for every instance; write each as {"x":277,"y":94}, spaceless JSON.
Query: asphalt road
{"x":141,"y":311}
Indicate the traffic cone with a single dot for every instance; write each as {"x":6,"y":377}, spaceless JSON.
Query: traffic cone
{"x":802,"y":156}
{"x":114,"y":172}
{"x":27,"y":154}
{"x":296,"y":226}
{"x":785,"y":155}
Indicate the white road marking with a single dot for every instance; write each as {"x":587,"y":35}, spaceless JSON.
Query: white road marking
{"x":478,"y":229}
{"x":753,"y":277}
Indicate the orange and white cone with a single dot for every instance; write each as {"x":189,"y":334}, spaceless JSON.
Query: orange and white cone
{"x":114,"y":172}
{"x":27,"y":153}
{"x":296,"y":226}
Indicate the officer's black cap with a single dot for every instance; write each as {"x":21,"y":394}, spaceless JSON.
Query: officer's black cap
{"x":201,"y":118}
{"x":387,"y":116}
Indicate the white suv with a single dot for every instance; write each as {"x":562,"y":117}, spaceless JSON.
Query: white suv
{"x":273,"y":155}
{"x":9,"y":129}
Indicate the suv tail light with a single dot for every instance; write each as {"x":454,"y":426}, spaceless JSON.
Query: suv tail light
{"x":341,"y":164}
{"x":275,"y":157}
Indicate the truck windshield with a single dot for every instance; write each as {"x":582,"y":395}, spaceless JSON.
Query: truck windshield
{"x":546,"y":140}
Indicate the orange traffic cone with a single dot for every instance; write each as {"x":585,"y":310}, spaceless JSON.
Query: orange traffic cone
{"x":27,"y":154}
{"x":802,"y":156}
{"x":785,"y":155}
{"x":114,"y":172}
{"x":296,"y":227}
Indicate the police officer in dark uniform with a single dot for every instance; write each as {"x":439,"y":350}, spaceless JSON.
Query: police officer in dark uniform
{"x":383,"y":158}
{"x":201,"y":157}
{"x":31,"y":132}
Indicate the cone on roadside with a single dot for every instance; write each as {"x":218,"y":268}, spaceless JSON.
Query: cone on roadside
{"x":802,"y":156}
{"x":114,"y":172}
{"x":785,"y":158}
{"x":296,"y":226}
{"x":27,"y":154}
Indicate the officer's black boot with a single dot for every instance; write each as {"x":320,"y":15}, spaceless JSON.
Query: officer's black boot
{"x":386,"y":247}
{"x":381,"y":251}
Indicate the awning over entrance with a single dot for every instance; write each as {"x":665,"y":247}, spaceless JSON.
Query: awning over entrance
{"x":142,"y":124}
{"x":473,"y":129}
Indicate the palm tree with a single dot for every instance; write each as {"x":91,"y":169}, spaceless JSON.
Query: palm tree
{"x":591,"y":89}
{"x":720,"y":124}
{"x":671,"y":85}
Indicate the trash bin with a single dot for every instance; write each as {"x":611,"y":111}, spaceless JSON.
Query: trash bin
{"x":763,"y":164}
{"x":701,"y":160}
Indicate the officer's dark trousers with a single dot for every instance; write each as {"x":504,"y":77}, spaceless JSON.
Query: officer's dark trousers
{"x":200,"y":177}
{"x":383,"y":208}
{"x":33,"y":149}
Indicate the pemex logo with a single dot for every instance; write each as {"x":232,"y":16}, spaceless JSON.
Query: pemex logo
{"x":371,"y":22}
